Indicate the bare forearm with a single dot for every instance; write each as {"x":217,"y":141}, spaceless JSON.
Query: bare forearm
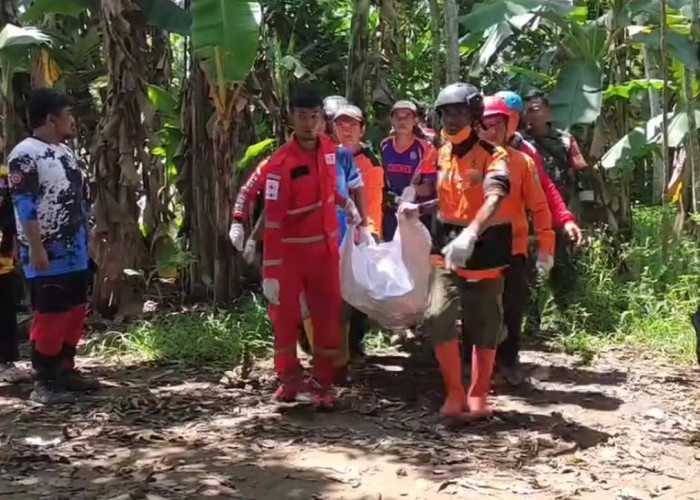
{"x":32,"y":233}
{"x":486,"y":212}
{"x":361,"y":201}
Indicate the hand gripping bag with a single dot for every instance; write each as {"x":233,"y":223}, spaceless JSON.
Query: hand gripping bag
{"x":388,"y":281}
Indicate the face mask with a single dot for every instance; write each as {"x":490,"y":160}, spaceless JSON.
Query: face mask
{"x":458,"y":138}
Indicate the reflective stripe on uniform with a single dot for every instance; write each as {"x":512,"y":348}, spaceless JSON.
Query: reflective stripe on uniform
{"x":272,"y":225}
{"x":470,"y":274}
{"x":308,"y":239}
{"x":272,"y":263}
{"x":307,"y":208}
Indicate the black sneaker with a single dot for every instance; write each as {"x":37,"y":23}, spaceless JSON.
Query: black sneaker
{"x":49,"y":394}
{"x":74,"y":381}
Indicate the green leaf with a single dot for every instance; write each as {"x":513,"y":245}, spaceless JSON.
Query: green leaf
{"x":163,"y":101}
{"x":486,"y":14}
{"x":543,"y":79}
{"x":255,"y":151}
{"x":14,"y":36}
{"x":680,"y":126}
{"x":70,"y":8}
{"x":578,"y":97}
{"x":679,"y":46}
{"x":496,"y":37}
{"x":633,"y":145}
{"x":630,"y":88}
{"x":166,"y":15}
{"x":229,"y":30}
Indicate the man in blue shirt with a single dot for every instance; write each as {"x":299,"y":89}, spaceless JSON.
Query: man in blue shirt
{"x":48,"y":192}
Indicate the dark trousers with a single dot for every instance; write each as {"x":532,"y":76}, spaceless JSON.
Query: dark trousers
{"x":390,"y":223}
{"x":516,"y":293}
{"x":561,"y":282}
{"x":358,"y":329}
{"x":9,"y":351}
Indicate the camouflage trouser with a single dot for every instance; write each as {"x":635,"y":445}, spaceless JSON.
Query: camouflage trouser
{"x":561,"y":282}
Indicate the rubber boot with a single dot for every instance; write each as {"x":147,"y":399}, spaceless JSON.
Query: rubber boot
{"x":450,"y":361}
{"x":695,"y":319}
{"x":482,"y":369}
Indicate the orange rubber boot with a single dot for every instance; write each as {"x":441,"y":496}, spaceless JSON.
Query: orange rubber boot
{"x":482,"y":369}
{"x":450,"y":361}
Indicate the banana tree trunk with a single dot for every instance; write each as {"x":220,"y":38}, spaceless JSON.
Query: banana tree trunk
{"x":651,"y":71}
{"x":11,"y":124}
{"x":435,"y":49}
{"x":452,"y":34}
{"x":358,"y":62}
{"x":692,"y":139}
{"x":118,"y":153}
{"x":195,"y":184}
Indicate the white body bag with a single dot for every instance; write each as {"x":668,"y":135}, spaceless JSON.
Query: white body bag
{"x":388,"y":281}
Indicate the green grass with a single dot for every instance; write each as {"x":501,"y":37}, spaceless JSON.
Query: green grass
{"x":646,"y":307}
{"x":210,"y":336}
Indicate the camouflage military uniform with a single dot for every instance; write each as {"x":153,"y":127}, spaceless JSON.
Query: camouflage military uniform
{"x":563,"y":162}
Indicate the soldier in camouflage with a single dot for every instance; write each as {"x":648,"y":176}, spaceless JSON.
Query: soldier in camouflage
{"x":563,"y":162}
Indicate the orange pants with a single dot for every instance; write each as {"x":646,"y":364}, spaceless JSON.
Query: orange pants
{"x":315,"y":271}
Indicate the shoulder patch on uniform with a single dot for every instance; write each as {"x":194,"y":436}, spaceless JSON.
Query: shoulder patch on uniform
{"x":16,"y":179}
{"x":272,"y":188}
{"x":330,"y":158}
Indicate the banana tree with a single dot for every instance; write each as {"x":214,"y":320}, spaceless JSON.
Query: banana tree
{"x":18,"y":48}
{"x":225,"y":39}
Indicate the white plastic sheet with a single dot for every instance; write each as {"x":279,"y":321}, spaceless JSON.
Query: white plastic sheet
{"x":388,"y":281}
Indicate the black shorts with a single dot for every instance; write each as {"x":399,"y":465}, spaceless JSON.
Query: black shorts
{"x":61,"y":293}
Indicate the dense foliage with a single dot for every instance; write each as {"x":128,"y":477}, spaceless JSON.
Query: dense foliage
{"x":188,"y":94}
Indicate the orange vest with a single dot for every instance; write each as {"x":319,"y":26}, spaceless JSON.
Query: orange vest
{"x":372,"y":175}
{"x":526,"y":194}
{"x":468,"y":172}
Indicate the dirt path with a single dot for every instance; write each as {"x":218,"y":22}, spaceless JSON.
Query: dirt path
{"x":621,"y":428}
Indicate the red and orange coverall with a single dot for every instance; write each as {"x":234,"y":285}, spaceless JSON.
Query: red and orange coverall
{"x":300,"y":252}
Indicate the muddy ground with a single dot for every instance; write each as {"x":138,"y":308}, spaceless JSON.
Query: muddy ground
{"x":625,"y":427}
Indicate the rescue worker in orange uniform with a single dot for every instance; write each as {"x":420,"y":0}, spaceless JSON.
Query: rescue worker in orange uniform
{"x":475,"y":234}
{"x":526,"y":195}
{"x":301,"y":227}
{"x":349,"y":129}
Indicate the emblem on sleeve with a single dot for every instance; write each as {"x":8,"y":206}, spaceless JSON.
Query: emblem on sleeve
{"x":272,"y":189}
{"x":330,"y":158}
{"x":16,"y":179}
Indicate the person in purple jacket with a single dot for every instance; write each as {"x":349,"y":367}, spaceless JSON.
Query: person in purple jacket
{"x":403,"y":157}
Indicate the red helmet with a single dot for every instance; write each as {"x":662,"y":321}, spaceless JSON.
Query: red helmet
{"x":494,"y":106}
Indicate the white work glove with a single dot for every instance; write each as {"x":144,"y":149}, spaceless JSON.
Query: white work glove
{"x":408,"y":210}
{"x":544,"y":264}
{"x":352,"y":213}
{"x":249,"y":251}
{"x":271,"y":291}
{"x":364,"y":236}
{"x":458,"y":251}
{"x":409,"y":194}
{"x":237,"y":235}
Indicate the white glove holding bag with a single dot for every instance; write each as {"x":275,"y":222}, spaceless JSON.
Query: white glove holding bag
{"x":459,"y":250}
{"x":352,"y":213}
{"x":249,"y":251}
{"x":237,"y":235}
{"x":364,"y":236}
{"x":271,"y":291}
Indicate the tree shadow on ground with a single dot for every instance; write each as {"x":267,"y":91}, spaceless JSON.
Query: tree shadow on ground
{"x":180,"y":414}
